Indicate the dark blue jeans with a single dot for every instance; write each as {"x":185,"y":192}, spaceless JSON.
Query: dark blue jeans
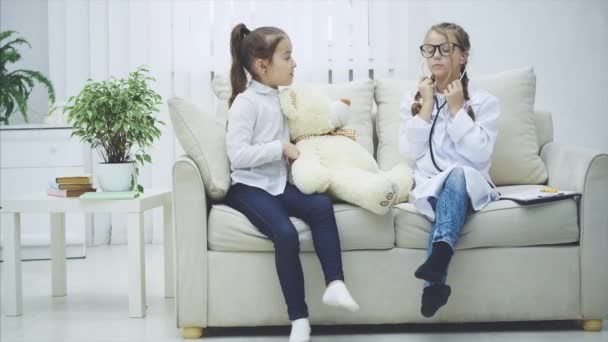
{"x":270,"y":214}
{"x":451,"y":209}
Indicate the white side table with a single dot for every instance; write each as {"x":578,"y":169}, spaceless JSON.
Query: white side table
{"x":57,"y":207}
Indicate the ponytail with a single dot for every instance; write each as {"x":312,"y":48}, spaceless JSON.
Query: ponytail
{"x":238,"y":77}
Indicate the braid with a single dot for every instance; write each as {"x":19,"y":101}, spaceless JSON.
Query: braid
{"x":416,"y":106}
{"x":465,"y":89}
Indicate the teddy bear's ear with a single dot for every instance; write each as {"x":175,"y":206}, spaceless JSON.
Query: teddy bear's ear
{"x":288,"y":99}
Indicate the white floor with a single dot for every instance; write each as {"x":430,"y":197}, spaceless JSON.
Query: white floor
{"x":96,"y":309}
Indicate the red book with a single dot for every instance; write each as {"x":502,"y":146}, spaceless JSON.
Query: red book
{"x":68,"y":193}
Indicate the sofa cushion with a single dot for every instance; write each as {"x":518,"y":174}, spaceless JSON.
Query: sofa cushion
{"x":516,"y":157}
{"x":203,"y":138}
{"x":388,"y":95}
{"x":361,"y":94}
{"x":229,"y":230}
{"x":502,"y":223}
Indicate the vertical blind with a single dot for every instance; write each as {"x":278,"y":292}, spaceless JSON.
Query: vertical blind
{"x":185,"y":43}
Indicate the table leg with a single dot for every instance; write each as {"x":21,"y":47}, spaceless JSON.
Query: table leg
{"x":58,"y":263}
{"x":12,"y":284}
{"x":137,"y":271}
{"x":169,"y":251}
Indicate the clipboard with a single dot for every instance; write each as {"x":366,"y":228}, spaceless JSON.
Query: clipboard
{"x":539,"y":196}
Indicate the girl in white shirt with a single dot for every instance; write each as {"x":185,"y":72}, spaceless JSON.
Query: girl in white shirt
{"x":260,"y":151}
{"x":449,"y":129}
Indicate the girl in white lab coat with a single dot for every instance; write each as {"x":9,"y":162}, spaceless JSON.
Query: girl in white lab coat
{"x":448,"y":128}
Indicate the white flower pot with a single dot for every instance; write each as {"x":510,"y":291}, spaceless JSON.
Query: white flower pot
{"x":115,"y":177}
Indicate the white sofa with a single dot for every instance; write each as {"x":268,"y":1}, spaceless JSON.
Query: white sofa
{"x":513,"y":263}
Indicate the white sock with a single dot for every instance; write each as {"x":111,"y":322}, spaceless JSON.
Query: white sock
{"x":300,"y":330}
{"x":336,"y":294}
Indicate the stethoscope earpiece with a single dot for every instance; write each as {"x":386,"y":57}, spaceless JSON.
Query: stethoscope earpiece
{"x":462,"y":73}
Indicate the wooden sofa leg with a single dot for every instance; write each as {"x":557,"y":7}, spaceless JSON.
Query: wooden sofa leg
{"x":191,"y":333}
{"x":592,"y":325}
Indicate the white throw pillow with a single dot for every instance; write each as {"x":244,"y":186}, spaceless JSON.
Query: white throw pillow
{"x":516,"y":157}
{"x":203,"y":138}
{"x":388,"y":95}
{"x":361,"y":94}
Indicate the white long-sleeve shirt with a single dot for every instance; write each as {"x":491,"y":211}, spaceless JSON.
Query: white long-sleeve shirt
{"x":254,"y":141}
{"x":457,"y":142}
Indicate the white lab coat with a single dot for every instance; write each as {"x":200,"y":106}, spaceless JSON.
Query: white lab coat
{"x":457,"y":142}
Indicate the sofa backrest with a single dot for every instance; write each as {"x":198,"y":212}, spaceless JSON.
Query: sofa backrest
{"x":544,"y":127}
{"x":542,"y":120}
{"x":361,"y":94}
{"x":522,"y":131}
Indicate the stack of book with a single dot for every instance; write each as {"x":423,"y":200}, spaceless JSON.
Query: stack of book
{"x":70,"y":186}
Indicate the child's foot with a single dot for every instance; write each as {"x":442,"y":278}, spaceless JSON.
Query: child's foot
{"x":300,"y":330}
{"x":435,"y":267}
{"x":434,"y":297}
{"x":337,"y":294}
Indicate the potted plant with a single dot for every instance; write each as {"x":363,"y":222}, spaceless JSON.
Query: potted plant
{"x":16,"y":86}
{"x":116,"y":117}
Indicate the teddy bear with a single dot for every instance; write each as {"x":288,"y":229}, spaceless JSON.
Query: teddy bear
{"x":331,"y":161}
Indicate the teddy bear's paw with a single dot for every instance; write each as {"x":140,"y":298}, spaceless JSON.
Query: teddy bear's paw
{"x":390,"y":197}
{"x":293,"y":98}
{"x":395,"y":199}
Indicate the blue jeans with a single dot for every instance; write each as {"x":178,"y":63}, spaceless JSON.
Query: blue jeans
{"x":451,"y":208}
{"x":270,"y":214}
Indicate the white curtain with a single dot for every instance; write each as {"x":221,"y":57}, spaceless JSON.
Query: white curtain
{"x":186,"y":42}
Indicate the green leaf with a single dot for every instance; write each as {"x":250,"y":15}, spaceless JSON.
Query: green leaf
{"x":17,"y":85}
{"x":117,"y":116}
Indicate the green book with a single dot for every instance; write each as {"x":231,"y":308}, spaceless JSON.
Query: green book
{"x":110,"y":195}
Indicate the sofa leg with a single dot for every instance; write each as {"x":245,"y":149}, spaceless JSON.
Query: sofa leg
{"x":191,"y":333}
{"x":592,"y":325}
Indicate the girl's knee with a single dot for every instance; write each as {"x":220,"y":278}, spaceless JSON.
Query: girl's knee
{"x":456,"y":179}
{"x":287,"y":238}
{"x":458,"y":173}
{"x":321,"y":203}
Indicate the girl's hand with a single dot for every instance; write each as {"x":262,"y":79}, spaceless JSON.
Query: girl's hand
{"x":454,"y":95}
{"x":290,"y":151}
{"x":426,"y":88}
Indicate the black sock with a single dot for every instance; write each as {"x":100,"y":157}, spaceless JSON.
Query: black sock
{"x":434,"y":297}
{"x":435,"y":267}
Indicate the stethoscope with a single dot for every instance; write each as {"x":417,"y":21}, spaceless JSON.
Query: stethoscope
{"x":439,"y":108}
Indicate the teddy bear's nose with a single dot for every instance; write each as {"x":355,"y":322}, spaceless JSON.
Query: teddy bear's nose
{"x":345,"y":101}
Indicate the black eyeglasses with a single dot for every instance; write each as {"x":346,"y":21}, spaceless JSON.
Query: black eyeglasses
{"x":445,"y":49}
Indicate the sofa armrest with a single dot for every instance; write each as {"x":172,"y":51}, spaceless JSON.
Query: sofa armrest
{"x":190,"y":213}
{"x":586,"y":170}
